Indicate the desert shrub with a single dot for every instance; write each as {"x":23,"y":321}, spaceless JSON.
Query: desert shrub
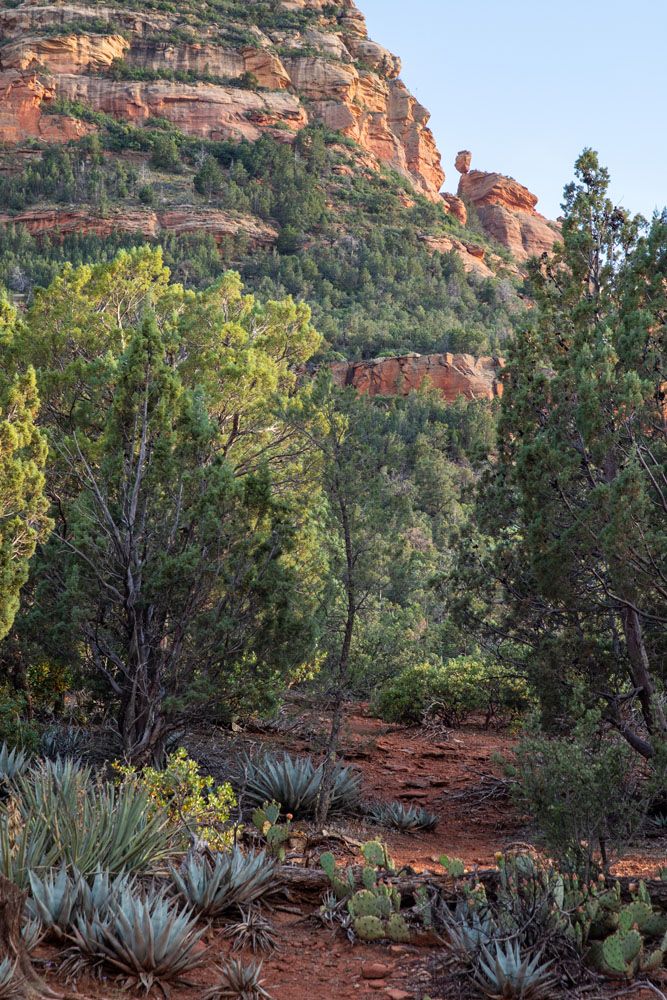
{"x":584,"y":791}
{"x":14,"y":730}
{"x":452,"y":691}
{"x":188,"y":797}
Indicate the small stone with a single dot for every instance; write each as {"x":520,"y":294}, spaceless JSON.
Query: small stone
{"x":398,"y":995}
{"x":375,"y":970}
{"x":377,"y":984}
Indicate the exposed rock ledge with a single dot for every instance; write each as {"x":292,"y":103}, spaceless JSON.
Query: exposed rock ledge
{"x":64,"y":221}
{"x":452,"y":375}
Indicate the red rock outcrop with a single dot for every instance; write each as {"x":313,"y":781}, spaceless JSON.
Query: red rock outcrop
{"x":66,"y":221}
{"x":507,"y":212}
{"x":455,"y":207}
{"x":353,"y":86}
{"x":64,"y":53}
{"x":202,"y":109}
{"x":452,"y":375}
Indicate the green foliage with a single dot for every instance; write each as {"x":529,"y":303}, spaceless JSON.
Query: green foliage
{"x":567,"y":570}
{"x":583,"y":791}
{"x":23,"y":450}
{"x":295,"y":782}
{"x":231,"y":880}
{"x":78,"y":175}
{"x":180,"y":790}
{"x":165,"y":154}
{"x":452,"y":691}
{"x":202,"y":457}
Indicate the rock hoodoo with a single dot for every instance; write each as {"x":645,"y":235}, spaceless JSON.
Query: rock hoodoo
{"x":463,"y":161}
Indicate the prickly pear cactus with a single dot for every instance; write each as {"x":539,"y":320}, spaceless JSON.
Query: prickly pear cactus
{"x":369,"y":928}
{"x":620,"y":952}
{"x":397,"y":929}
{"x":376,"y":854}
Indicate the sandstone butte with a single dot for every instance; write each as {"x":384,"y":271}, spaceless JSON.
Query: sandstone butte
{"x":452,"y":375}
{"x":333,"y":74}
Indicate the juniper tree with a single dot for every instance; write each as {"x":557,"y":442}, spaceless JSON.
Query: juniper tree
{"x":571,"y":562}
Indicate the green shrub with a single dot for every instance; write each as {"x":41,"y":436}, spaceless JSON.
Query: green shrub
{"x":14,"y":730}
{"x":452,"y":691}
{"x":187,"y":796}
{"x":584,"y":791}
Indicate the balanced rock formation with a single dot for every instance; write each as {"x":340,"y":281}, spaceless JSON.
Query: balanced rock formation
{"x":506,"y":210}
{"x":319,"y":65}
{"x":452,"y":375}
{"x":463,"y":161}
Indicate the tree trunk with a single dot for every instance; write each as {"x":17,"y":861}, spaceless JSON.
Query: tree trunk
{"x":640,"y":669}
{"x":329,"y":770}
{"x":28,"y":982}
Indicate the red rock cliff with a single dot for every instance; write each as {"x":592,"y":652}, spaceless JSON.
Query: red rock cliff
{"x":324,"y":69}
{"x":452,"y":375}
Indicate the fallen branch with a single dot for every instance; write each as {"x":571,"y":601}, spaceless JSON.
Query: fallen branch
{"x":314,"y":882}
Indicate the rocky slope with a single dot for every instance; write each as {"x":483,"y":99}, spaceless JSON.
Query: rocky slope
{"x":452,"y":375}
{"x":309,"y":60}
{"x":324,"y":180}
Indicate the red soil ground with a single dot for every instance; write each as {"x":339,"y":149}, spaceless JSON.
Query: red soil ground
{"x":452,"y":776}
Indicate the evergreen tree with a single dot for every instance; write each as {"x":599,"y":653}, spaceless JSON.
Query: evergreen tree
{"x":575,"y":515}
{"x":23,"y":506}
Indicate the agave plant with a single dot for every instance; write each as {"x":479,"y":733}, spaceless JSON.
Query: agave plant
{"x":146,"y":940}
{"x":61,"y":815}
{"x":468,"y":930}
{"x":508,"y":975}
{"x":54,"y":900}
{"x":400,"y":817}
{"x":295,"y":783}
{"x":12,"y":763}
{"x":99,"y":895}
{"x":233,"y":879}
{"x":253,"y":931}
{"x":60,"y":741}
{"x":238,"y":981}
{"x":11,"y":987}
{"x":32,"y":933}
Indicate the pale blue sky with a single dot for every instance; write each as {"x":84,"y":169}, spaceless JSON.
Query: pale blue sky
{"x":526,"y":84}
